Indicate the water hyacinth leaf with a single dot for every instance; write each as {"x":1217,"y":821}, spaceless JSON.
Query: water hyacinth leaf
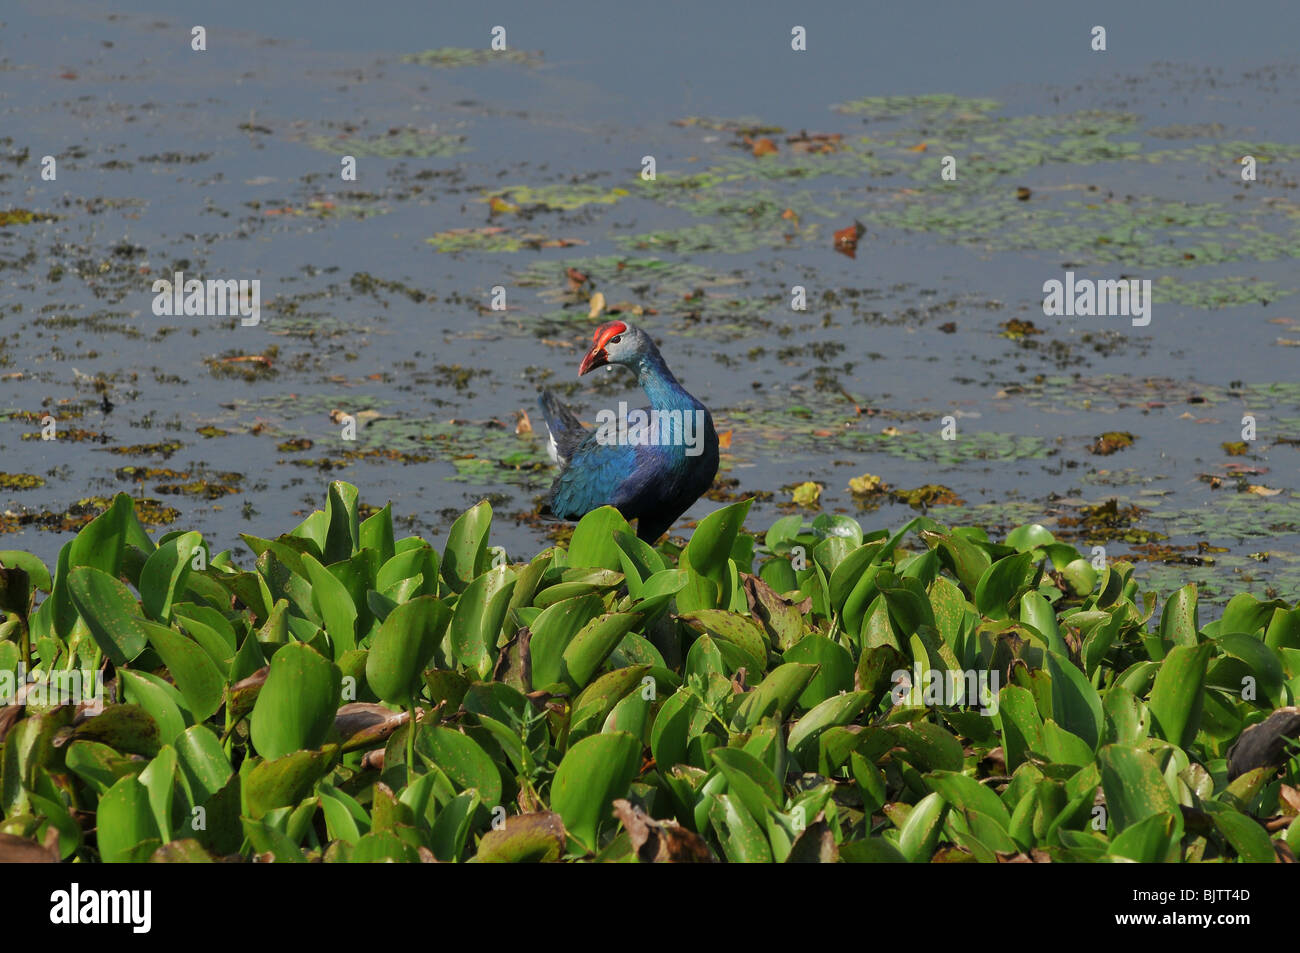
{"x":589,"y":649}
{"x":376,"y":533}
{"x":1029,"y":537}
{"x":741,"y":835}
{"x":708,"y":557}
{"x":124,"y":821}
{"x":1022,"y":726}
{"x":197,"y":677}
{"x":593,"y":544}
{"x":159,"y":779}
{"x":1179,"y":621}
{"x":750,"y":781}
{"x":839,"y":710}
{"x":1134,"y":786}
{"x":734,"y":629}
{"x":111,"y":612}
{"x":462,"y":759}
{"x":451,"y":829}
{"x":164,"y":574}
{"x":966,"y":794}
{"x":919,"y":834}
{"x":334,"y":604}
{"x":342,"y":528}
{"x":479,"y":615}
{"x":1038,"y":612}
{"x":284,"y":781}
{"x":644,"y":557}
{"x":835,"y":668}
{"x":1178,"y":694}
{"x":1246,"y":835}
{"x":873,"y":850}
{"x":524,"y":839}
{"x":1149,"y":841}
{"x":38,"y":574}
{"x":164,"y":704}
{"x":295,"y":708}
{"x":593,"y":773}
{"x":554,"y":629}
{"x":1076,"y":706}
{"x":403,"y":647}
{"x":967,"y":561}
{"x":203,"y":762}
{"x":101,"y":542}
{"x":1001,"y":584}
{"x":466,"y":554}
{"x":1263,"y":662}
{"x":99,"y":765}
{"x":929,"y":747}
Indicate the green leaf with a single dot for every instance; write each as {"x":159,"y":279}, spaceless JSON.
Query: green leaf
{"x":594,"y":772}
{"x":296,"y":707}
{"x":465,"y":557}
{"x":462,"y":759}
{"x":285,"y":781}
{"x":402,"y":648}
{"x":342,"y":533}
{"x":196,"y":675}
{"x":919,"y":835}
{"x":124,"y":820}
{"x":1076,"y":706}
{"x":840,"y":710}
{"x":331,"y":599}
{"x":741,"y":836}
{"x":1178,"y":623}
{"x":164,"y":574}
{"x":1179,"y":693}
{"x":480,"y":613}
{"x":102,"y":542}
{"x":835,"y":672}
{"x":593,"y":544}
{"x":1149,"y":841}
{"x":524,"y":839}
{"x":1003,"y":583}
{"x":1247,"y":837}
{"x":1134,"y":787}
{"x":111,"y":613}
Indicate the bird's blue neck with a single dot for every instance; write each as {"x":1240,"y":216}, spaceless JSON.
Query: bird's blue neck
{"x":659,"y":384}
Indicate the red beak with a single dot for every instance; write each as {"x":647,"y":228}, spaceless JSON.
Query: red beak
{"x":596,"y":357}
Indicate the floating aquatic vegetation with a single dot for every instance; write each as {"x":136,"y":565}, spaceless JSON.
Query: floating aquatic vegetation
{"x":457,"y":57}
{"x":493,"y":238}
{"x":932,"y":494}
{"x":395,"y":144}
{"x":556,"y":197}
{"x":1227,"y":292}
{"x":1111,"y":442}
{"x":891,"y":107}
{"x":20,"y":481}
{"x":22,"y":216}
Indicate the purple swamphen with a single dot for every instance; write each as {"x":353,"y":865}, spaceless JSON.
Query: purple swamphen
{"x":652,"y":463}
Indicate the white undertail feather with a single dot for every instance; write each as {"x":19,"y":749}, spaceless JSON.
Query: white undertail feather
{"x":552,"y":450}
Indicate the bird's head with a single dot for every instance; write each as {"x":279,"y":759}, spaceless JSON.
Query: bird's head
{"x":615,"y":343}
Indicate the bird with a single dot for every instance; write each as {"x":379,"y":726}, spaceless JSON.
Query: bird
{"x":651,"y":464}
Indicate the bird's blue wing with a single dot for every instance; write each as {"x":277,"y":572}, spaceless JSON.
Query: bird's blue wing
{"x":598,"y":475}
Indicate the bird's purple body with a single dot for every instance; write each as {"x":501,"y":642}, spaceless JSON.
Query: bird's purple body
{"x":652,"y":468}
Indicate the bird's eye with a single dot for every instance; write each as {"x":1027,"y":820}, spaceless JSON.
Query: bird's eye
{"x":615,"y":339}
